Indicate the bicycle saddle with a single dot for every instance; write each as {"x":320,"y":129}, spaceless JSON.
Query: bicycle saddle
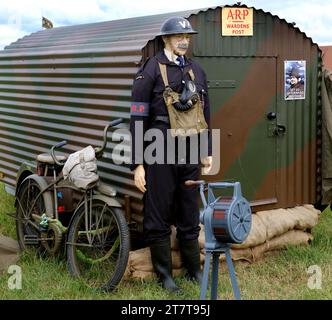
{"x":47,"y":158}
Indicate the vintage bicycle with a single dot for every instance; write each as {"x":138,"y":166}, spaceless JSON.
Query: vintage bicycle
{"x":89,"y":223}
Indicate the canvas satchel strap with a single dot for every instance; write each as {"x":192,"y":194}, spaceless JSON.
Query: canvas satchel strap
{"x":163,"y":72}
{"x":191,"y":74}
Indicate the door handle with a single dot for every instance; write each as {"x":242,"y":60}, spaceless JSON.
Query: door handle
{"x":280,"y":130}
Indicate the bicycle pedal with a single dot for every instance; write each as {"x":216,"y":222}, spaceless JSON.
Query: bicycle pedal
{"x":31,"y":240}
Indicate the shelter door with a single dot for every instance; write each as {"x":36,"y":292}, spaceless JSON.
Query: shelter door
{"x":242,"y":92}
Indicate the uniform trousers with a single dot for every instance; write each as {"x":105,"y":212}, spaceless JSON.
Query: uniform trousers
{"x":168,"y":201}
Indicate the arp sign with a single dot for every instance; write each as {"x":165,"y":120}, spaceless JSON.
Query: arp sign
{"x":237,"y":21}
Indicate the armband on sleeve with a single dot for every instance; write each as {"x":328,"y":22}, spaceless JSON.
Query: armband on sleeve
{"x":140,"y":109}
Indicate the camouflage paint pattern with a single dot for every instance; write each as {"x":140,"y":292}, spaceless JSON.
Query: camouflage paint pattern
{"x":67,"y":83}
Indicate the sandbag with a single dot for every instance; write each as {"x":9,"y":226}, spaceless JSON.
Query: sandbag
{"x":258,"y":251}
{"x":149,"y":275}
{"x":174,"y":240}
{"x":277,"y":222}
{"x":267,"y":225}
{"x":236,"y":254}
{"x":271,"y":230}
{"x":201,"y":237}
{"x":141,"y":260}
{"x":307,"y":217}
{"x":293,"y":237}
{"x":257,"y":235}
{"x":241,"y":254}
{"x":142,"y":275}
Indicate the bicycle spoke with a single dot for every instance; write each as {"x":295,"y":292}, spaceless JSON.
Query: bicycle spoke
{"x":28,"y":196}
{"x":21,"y":208}
{"x":86,"y":215}
{"x":106,"y":235}
{"x":102,"y":259}
{"x":98,"y":221}
{"x":80,"y":244}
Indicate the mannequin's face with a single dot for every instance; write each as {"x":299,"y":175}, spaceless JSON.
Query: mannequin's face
{"x":177,"y":43}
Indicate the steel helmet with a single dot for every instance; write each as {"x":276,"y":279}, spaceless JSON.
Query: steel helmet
{"x":176,"y":25}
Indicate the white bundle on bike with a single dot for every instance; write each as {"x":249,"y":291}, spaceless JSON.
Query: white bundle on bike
{"x":81,"y":168}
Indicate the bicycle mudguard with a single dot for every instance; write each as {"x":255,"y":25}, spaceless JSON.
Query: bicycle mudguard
{"x":47,"y":196}
{"x":110,"y":202}
{"x":27,"y":168}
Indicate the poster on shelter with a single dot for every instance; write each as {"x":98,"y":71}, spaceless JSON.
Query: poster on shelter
{"x":295,"y":80}
{"x":237,"y":21}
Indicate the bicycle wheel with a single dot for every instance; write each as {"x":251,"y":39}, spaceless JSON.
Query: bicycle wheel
{"x":27,"y":205}
{"x":98,"y":246}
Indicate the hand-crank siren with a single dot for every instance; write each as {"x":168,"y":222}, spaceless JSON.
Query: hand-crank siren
{"x":226,"y":220}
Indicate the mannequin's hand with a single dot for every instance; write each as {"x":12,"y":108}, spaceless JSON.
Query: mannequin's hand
{"x":139,"y":178}
{"x":207,"y":165}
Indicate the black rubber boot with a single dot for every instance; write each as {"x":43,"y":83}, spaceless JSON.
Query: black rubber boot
{"x":190,"y":255}
{"x":161,"y":257}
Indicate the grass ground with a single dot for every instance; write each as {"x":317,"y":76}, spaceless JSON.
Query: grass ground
{"x":280,"y":275}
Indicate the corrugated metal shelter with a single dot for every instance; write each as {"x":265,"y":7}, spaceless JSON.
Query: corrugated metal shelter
{"x":67,"y":82}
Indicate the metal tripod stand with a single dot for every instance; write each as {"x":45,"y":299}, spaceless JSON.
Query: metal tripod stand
{"x":215,"y":254}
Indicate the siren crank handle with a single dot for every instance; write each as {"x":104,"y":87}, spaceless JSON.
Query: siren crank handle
{"x":202,"y":188}
{"x":200,"y":183}
{"x":190,"y":183}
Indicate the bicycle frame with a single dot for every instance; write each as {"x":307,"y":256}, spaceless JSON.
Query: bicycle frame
{"x":97,"y":241}
{"x":49,"y":191}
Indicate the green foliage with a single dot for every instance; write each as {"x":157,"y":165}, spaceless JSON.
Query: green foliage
{"x":7,"y":223}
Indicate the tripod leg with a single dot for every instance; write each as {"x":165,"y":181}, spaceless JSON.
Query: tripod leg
{"x":214,"y":280}
{"x":232,"y":275}
{"x":205,"y":275}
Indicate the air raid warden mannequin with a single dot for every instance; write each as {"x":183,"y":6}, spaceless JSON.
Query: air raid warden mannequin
{"x":170,"y":92}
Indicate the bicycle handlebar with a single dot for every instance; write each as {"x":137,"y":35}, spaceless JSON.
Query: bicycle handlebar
{"x":115,"y":122}
{"x":58,"y":145}
{"x":100,"y":150}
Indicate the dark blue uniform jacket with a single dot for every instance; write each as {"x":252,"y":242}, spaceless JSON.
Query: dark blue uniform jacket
{"x":147,"y":95}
